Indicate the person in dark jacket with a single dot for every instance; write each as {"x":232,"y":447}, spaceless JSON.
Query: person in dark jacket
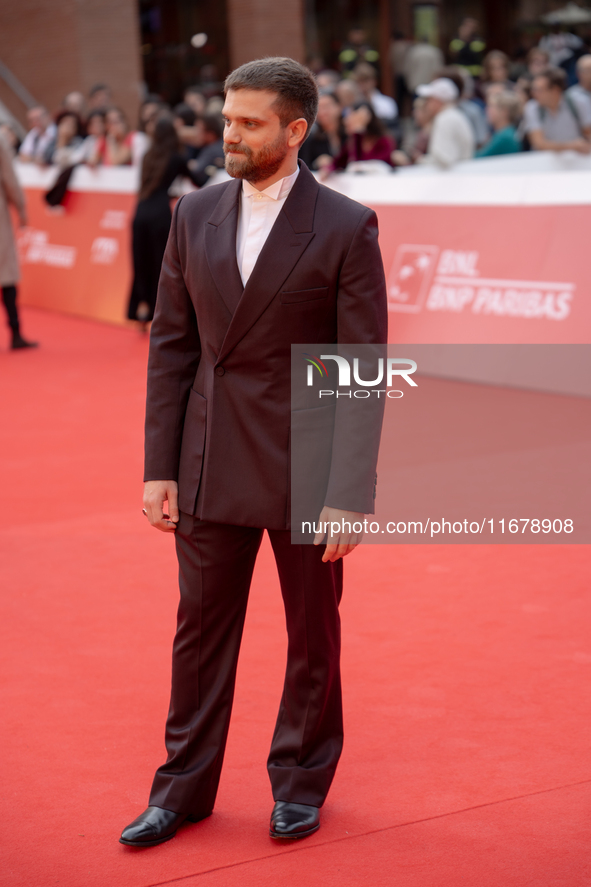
{"x":327,"y":134}
{"x":162,"y":164}
{"x":11,"y":193}
{"x":253,"y":265}
{"x":211,"y":157}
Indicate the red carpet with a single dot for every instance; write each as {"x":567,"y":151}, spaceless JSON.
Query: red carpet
{"x":466,"y":674}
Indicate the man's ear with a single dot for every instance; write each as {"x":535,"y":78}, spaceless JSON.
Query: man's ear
{"x":297,"y":132}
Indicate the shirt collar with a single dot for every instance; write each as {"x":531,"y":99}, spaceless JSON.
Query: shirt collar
{"x":278,"y":191}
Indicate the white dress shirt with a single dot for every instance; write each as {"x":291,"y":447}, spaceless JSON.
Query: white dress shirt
{"x":258,"y":213}
{"x":36,"y":142}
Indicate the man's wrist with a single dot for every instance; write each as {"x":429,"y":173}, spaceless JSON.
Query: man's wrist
{"x":161,"y":480}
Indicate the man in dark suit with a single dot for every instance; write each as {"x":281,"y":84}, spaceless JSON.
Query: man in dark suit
{"x":252,"y":266}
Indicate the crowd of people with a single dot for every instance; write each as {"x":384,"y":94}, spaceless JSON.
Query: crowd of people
{"x":481,"y":103}
{"x":94,"y":131}
{"x":169,"y":143}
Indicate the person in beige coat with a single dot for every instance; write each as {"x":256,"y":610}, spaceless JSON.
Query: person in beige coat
{"x":10,"y":193}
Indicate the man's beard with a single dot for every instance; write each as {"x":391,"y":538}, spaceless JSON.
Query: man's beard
{"x":256,"y":167}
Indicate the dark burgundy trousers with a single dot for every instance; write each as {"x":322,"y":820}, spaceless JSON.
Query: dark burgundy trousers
{"x":216,"y":562}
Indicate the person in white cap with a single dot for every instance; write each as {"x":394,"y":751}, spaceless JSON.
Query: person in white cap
{"x":452,"y":137}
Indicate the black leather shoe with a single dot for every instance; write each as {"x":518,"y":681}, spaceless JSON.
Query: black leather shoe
{"x":294,"y":820}
{"x":154,"y":826}
{"x":19,"y":342}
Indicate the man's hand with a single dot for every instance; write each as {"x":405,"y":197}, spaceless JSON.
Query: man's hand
{"x":156,"y":493}
{"x":582,"y":146}
{"x":343,"y":540}
{"x":539,"y":142}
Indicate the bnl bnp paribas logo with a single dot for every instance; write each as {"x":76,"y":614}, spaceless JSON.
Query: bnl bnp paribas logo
{"x":389,"y":372}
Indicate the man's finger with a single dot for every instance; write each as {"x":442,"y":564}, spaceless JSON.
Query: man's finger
{"x":156,"y":516}
{"x":329,"y":552}
{"x":340,"y":547}
{"x":319,"y":537}
{"x":153,"y":506}
{"x":173,"y":505}
{"x":158,"y":519}
{"x":354,"y":541}
{"x":334,"y":545}
{"x":165,"y":525}
{"x":342,"y":550}
{"x":153,"y":512}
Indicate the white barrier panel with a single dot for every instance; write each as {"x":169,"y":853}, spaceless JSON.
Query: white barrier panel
{"x":488,"y":253}
{"x":77,"y":258}
{"x":472,"y":257}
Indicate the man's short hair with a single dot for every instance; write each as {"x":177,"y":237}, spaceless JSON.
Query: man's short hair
{"x":297,"y":92}
{"x":98,"y":87}
{"x":214,"y":124}
{"x":186,"y":114}
{"x":556,"y":77}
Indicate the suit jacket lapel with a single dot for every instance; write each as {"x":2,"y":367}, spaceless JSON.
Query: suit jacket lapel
{"x":220,"y":246}
{"x":286,"y":243}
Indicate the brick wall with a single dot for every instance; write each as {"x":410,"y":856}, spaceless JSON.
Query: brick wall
{"x":57,"y":46}
{"x":259,"y":28}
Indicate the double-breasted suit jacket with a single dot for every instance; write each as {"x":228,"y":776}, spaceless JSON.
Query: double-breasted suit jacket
{"x":219,"y":404}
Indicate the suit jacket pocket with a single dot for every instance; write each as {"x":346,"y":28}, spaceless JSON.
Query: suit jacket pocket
{"x":313,"y":295}
{"x":192,"y":448}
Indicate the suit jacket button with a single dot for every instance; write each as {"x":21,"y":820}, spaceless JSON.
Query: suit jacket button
{"x":219,"y":371}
